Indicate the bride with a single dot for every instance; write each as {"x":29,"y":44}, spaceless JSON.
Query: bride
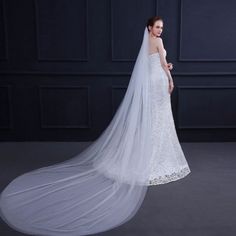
{"x":103,"y":186}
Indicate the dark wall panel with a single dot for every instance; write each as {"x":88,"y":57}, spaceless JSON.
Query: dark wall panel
{"x":66,"y":107}
{"x":208,"y":108}
{"x":6,"y":107}
{"x":206,"y":32}
{"x":3,"y":30}
{"x":61,"y":30}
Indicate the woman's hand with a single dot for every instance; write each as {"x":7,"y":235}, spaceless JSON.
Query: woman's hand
{"x":170,"y":66}
{"x":171,"y":86}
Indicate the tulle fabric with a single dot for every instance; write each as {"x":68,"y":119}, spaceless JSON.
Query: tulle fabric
{"x":100,"y":188}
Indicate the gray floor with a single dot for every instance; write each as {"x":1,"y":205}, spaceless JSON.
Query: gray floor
{"x":201,"y":204}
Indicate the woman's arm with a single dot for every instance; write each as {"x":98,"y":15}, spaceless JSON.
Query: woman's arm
{"x":164,"y":64}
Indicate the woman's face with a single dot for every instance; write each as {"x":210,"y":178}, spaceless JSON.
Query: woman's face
{"x":157,"y":28}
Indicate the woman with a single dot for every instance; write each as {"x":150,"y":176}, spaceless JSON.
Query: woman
{"x":155,"y":28}
{"x":168,"y":162}
{"x":103,"y":186}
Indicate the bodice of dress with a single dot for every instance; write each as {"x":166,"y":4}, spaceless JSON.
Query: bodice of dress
{"x":155,"y":61}
{"x":165,"y":52}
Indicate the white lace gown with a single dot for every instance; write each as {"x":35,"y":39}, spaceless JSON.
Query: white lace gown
{"x":168,"y":162}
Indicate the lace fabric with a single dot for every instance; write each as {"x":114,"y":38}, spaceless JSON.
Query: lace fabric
{"x":168,"y":162}
{"x":163,"y":179}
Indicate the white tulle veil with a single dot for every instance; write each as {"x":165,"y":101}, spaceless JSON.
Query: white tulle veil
{"x":100,"y":188}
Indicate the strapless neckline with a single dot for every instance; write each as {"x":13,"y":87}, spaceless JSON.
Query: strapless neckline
{"x":154,"y":53}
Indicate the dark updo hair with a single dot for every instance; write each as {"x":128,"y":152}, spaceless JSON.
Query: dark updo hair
{"x":151,"y":21}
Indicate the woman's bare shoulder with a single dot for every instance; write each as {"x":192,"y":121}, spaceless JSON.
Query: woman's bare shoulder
{"x":159,"y":41}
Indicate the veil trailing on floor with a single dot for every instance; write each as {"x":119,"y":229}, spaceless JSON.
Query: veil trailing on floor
{"x":100,"y":188}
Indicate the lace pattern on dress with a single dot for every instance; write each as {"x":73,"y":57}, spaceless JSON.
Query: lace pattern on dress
{"x":172,"y":177}
{"x":168,"y":162}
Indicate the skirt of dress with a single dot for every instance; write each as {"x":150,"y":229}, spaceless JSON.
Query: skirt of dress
{"x":168,"y":162}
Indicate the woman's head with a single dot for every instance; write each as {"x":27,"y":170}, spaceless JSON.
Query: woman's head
{"x":155,"y":25}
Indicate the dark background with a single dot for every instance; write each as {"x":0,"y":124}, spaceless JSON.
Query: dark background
{"x":65,"y":65}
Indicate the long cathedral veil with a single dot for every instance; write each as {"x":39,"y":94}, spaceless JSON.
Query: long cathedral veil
{"x":100,"y":188}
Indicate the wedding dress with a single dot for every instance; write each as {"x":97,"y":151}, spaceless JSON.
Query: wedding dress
{"x":168,"y":162}
{"x":104,"y":186}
